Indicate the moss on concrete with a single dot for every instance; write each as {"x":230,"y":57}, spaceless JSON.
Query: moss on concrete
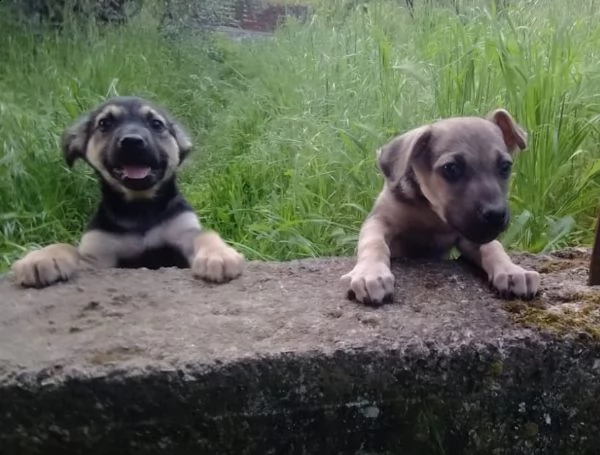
{"x":579,"y":314}
{"x":559,"y":265}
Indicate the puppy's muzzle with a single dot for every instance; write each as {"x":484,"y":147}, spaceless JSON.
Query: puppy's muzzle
{"x":133,"y":142}
{"x":485,"y":224}
{"x":496,"y":217}
{"x":134,"y":149}
{"x":135,"y":162}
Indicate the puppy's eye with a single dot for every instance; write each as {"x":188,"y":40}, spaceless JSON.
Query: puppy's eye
{"x":505,"y":168}
{"x":157,"y":125}
{"x":105,"y":124}
{"x":452,"y":171}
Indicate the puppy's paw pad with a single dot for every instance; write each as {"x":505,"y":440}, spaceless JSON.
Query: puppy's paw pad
{"x":515,"y":281}
{"x":218,"y":265}
{"x":41,"y":268}
{"x":371,"y":284}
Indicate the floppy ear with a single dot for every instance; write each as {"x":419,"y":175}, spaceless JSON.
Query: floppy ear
{"x":183,"y":140}
{"x":514,"y":136}
{"x":395,"y":159}
{"x":74,"y":139}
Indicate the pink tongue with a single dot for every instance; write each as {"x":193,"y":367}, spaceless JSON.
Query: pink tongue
{"x":134,"y":172}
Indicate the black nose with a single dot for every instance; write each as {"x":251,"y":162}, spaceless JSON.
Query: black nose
{"x":494,"y":215}
{"x":132,"y":142}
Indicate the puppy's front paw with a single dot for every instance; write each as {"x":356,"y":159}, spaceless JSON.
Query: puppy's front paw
{"x":369,"y":283}
{"x":41,"y":268}
{"x":218,"y":264}
{"x":512,"y":280}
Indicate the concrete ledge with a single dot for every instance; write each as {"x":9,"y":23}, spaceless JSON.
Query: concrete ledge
{"x":278,"y":362}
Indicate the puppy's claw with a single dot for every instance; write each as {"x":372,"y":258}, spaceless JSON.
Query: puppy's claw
{"x":218,"y":264}
{"x":514,"y":281}
{"x":370,"y":284}
{"x":49,"y":265}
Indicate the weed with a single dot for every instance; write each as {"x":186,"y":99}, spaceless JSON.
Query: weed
{"x":286,"y":128}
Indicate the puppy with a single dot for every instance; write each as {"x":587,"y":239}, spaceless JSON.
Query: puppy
{"x":446,"y":185}
{"x":142,"y":220}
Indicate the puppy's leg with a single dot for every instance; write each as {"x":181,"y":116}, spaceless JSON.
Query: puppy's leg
{"x":99,"y":249}
{"x":208,"y":255}
{"x":214,"y":260}
{"x":46,"y":266}
{"x":371,"y":280}
{"x":509,"y":279}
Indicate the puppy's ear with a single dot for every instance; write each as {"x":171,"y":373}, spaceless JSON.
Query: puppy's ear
{"x":395,"y":159}
{"x":75,"y":138}
{"x":514,"y":136}
{"x":184,"y":142}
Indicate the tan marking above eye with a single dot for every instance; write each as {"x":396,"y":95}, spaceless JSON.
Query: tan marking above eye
{"x":151,"y":114}
{"x":109,"y":111}
{"x":145,"y":110}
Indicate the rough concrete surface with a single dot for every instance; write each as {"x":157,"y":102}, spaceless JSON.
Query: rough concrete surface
{"x":279,"y":362}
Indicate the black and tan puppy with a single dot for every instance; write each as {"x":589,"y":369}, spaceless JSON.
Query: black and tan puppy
{"x":446,"y":185}
{"x":142,"y":220}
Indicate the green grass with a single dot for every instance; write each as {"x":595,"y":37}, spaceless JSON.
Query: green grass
{"x":286,"y":129}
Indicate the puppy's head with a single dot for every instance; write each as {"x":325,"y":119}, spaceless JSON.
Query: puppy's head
{"x":133,"y":145}
{"x":460,"y":167}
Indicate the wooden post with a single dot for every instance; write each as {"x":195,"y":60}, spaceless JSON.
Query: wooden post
{"x":594,"y":275}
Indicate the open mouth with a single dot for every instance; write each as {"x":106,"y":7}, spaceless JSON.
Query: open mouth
{"x":137,"y":169}
{"x":132,"y":172}
{"x":137,"y":177}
